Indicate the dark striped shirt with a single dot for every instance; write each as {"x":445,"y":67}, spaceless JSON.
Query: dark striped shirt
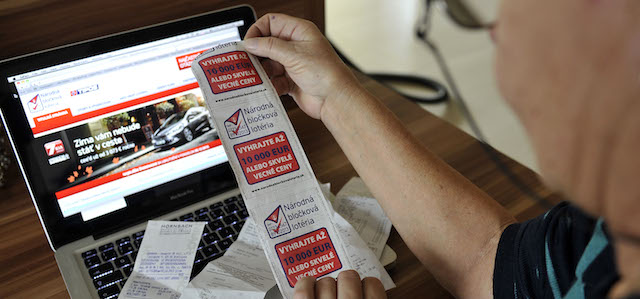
{"x":561,"y":254}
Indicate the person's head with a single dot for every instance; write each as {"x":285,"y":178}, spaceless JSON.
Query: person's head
{"x":571,"y":71}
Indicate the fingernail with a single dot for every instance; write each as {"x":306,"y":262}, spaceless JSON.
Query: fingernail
{"x":250,"y":44}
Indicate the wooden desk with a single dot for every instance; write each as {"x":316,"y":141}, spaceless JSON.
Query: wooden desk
{"x":28,"y":269}
{"x":27,"y":266}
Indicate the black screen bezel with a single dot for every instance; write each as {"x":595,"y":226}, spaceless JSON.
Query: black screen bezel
{"x":198,"y":186}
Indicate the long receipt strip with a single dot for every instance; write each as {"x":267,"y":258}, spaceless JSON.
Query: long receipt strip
{"x":164,"y":262}
{"x":278,"y":185}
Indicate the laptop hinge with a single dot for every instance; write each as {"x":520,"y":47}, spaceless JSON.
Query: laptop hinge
{"x":115,"y":228}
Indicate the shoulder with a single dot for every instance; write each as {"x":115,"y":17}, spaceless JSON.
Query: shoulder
{"x":551,"y":255}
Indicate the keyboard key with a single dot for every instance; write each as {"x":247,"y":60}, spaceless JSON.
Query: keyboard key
{"x":122,"y":283}
{"x":106,"y":247}
{"x":238,"y":226}
{"x":127,"y":270}
{"x":243,"y":214}
{"x":230,"y":219}
{"x":125,"y":248}
{"x":230,"y":208}
{"x":210,"y":250}
{"x":231,"y":199}
{"x":137,"y":242}
{"x":109,"y":255}
{"x":123,"y":241}
{"x":122,"y":261}
{"x":224,"y":244}
{"x":217,"y":213}
{"x":226,"y":232}
{"x":199,"y":257}
{"x":204,"y":218}
{"x":211,"y":238}
{"x":216,"y":225}
{"x":138,"y":235}
{"x":201,"y":244}
{"x":101,"y":270}
{"x":108,"y":279}
{"x":216,"y":205}
{"x":186,"y":216}
{"x":109,"y":291}
{"x":92,"y":261}
{"x":206,"y":230}
{"x":89,"y":253}
{"x":201,"y":211}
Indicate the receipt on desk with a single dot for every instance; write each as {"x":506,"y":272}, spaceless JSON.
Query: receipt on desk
{"x":356,"y":204}
{"x":293,"y":219}
{"x":164,"y":262}
{"x":363,"y":259}
{"x":355,"y":187}
{"x":243,"y":271}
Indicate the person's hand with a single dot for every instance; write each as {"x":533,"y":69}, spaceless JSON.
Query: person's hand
{"x":301,"y":62}
{"x":348,"y":286}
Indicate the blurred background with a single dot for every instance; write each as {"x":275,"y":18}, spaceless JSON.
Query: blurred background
{"x":379,"y":36}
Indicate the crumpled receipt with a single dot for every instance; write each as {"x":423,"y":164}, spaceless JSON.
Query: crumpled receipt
{"x":164,"y":262}
{"x":363,"y":259}
{"x":362,"y":255}
{"x":242,"y":272}
{"x":356,"y":203}
{"x":293,"y":219}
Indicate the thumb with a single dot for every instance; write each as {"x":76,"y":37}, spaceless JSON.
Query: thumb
{"x":271,"y":47}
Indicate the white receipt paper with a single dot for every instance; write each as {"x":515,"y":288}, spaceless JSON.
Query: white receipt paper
{"x":280,"y":190}
{"x":363,"y":259}
{"x":357,"y":205}
{"x":242,"y":272}
{"x":164,"y":262}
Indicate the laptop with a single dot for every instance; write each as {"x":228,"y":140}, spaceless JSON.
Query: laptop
{"x":112,"y":132}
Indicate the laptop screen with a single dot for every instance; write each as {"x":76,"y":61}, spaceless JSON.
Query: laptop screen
{"x":111,"y":125}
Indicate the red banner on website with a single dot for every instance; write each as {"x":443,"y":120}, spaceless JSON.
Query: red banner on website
{"x":138,"y":169}
{"x":55,"y":119}
{"x":65,"y":117}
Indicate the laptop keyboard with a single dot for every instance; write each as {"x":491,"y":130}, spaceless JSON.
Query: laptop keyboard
{"x":109,"y":265}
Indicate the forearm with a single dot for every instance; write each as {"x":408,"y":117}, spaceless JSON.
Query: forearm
{"x":447,"y":222}
{"x":450,"y":225}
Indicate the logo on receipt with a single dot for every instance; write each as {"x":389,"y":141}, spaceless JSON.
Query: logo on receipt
{"x":277,"y":224}
{"x":236,"y":125}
